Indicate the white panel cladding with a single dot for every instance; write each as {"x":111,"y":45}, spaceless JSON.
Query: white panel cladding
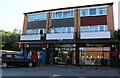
{"x":94,"y":35}
{"x":59,"y":36}
{"x":30,"y":37}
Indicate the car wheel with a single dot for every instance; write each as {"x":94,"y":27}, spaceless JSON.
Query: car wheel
{"x":4,"y":65}
{"x":30,"y":64}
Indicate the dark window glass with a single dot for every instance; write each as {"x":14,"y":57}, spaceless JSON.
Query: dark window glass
{"x":59,"y":15}
{"x":92,"y":11}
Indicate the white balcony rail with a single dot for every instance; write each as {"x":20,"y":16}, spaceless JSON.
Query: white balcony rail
{"x":30,"y":37}
{"x":95,"y":35}
{"x":59,"y":36}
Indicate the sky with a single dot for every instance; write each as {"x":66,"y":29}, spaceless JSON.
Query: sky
{"x":11,"y":11}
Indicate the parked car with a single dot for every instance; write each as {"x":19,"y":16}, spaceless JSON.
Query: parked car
{"x":16,"y":60}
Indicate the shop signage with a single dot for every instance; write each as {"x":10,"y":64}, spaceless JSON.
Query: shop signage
{"x":95,"y":48}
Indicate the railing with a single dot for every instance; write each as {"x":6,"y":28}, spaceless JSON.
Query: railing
{"x":59,"y":36}
{"x":30,"y":37}
{"x":95,"y":35}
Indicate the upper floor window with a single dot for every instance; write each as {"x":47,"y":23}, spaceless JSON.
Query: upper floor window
{"x":63,"y":14}
{"x":93,"y":11}
{"x":102,"y":28}
{"x":85,"y":28}
{"x":99,"y":28}
{"x":35,"y":31}
{"x":102,"y":10}
{"x":37,"y":17}
{"x":62,"y":30}
{"x":94,"y":28}
{"x":58,"y":14}
{"x":84,"y":12}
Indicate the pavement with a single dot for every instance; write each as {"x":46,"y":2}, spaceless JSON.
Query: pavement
{"x":61,"y":71}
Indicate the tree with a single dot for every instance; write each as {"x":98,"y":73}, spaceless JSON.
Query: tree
{"x":117,"y":36}
{"x":10,"y":40}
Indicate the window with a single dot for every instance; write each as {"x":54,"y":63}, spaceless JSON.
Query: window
{"x":69,"y":29}
{"x":62,"y":30}
{"x":84,"y":29}
{"x":31,"y":32}
{"x":84,"y":12}
{"x":63,"y":14}
{"x":37,"y":17}
{"x":66,"y":14}
{"x":19,"y":57}
{"x":53,"y":15}
{"x":43,"y":16}
{"x":101,"y":28}
{"x":30,"y":18}
{"x":92,"y":11}
{"x":94,"y":28}
{"x":72,"y":13}
{"x":9,"y":56}
{"x":58,"y":30}
{"x":102,"y":11}
{"x":59,"y":15}
{"x":106,"y":28}
{"x":35,"y":31}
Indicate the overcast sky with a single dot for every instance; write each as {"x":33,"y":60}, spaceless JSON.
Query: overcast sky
{"x":11,"y":11}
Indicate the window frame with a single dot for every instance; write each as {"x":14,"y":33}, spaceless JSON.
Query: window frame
{"x":71,"y":14}
{"x":37,"y":16}
{"x":97,"y":11}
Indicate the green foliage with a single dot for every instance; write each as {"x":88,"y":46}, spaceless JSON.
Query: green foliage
{"x":117,"y":35}
{"x":10,"y":40}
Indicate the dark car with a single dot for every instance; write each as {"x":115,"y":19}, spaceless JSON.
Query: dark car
{"x":16,"y":60}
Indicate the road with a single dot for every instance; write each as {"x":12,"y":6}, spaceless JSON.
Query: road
{"x":60,"y":70}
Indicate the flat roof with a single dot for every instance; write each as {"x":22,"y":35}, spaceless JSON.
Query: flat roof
{"x":70,"y":8}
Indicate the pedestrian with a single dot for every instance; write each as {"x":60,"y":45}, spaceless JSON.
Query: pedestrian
{"x":67,"y":60}
{"x":39,"y":57}
{"x":35,"y":57}
{"x":96,"y":64}
{"x":56,"y":59}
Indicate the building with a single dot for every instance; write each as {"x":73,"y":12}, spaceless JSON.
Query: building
{"x":118,"y":14}
{"x":84,"y":33}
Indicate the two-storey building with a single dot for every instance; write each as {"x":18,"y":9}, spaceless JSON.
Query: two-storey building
{"x":84,"y":33}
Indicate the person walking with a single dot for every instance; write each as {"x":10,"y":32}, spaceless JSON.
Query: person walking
{"x":39,"y":57}
{"x":96,"y":63}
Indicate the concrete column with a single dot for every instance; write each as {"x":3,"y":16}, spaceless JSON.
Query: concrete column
{"x":25,"y":24}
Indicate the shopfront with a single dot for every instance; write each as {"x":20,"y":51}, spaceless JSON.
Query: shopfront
{"x":60,"y":52}
{"x":92,"y":52}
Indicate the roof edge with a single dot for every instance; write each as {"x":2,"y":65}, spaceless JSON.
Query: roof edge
{"x":70,"y":8}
